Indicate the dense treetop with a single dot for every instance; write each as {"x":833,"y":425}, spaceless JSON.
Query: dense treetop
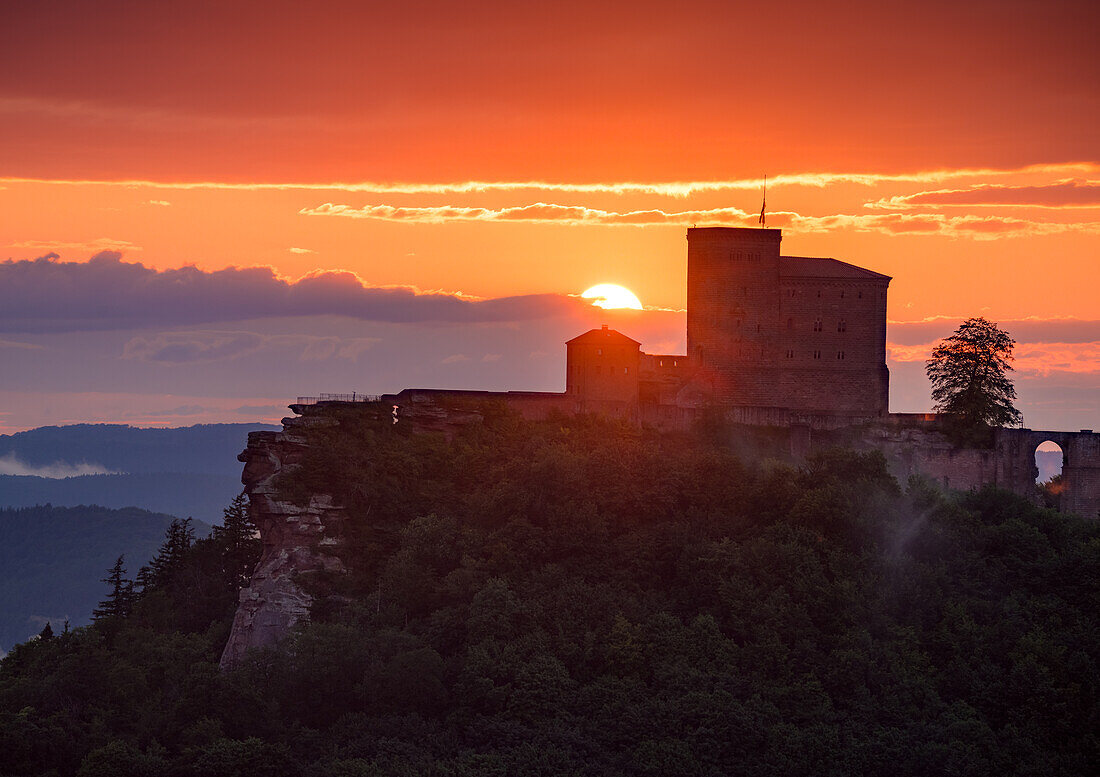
{"x":578,"y":597}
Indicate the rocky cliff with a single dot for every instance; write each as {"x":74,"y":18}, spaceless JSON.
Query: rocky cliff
{"x":303,"y":540}
{"x":297,"y":540}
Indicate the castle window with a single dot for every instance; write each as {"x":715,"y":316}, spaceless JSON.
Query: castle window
{"x":790,"y":354}
{"x":860,"y":295}
{"x":817,"y":325}
{"x":758,"y":327}
{"x":744,"y":291}
{"x":626,"y":370}
{"x":842,"y":295}
{"x":842,"y":326}
{"x":673,"y":362}
{"x":819,"y":293}
{"x":840,"y":354}
{"x":790,"y":323}
{"x":817,"y":354}
{"x":660,"y":362}
{"x":599,"y":351}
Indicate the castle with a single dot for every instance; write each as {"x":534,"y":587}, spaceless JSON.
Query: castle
{"x":793,"y":343}
{"x":794,"y":334}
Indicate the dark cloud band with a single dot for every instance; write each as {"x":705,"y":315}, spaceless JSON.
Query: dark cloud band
{"x":50,"y":295}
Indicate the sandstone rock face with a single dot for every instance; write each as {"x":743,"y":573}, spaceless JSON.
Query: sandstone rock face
{"x":297,"y":540}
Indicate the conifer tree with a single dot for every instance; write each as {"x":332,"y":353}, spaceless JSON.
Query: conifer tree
{"x":170,"y":557}
{"x":119,"y":600}
{"x":238,"y":543}
{"x":47,"y":632}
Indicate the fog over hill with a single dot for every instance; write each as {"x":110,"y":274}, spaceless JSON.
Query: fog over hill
{"x":187,"y":471}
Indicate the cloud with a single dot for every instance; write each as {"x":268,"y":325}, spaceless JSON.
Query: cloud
{"x":1044,"y":346}
{"x":189,"y":347}
{"x":295,"y":250}
{"x":974,"y":227}
{"x":49,"y":295}
{"x":186,"y":347}
{"x":1028,"y":330}
{"x":265,"y":411}
{"x":1074,"y":193}
{"x":11,"y":465}
{"x":161,"y":203}
{"x":456,"y":358}
{"x":1031,"y":359}
{"x":90,"y":246}
{"x":20,"y":346}
{"x":663,"y":188}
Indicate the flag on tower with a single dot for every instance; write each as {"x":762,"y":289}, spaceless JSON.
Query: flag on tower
{"x":764,"y":204}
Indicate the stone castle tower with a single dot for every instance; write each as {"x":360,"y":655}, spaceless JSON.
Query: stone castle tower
{"x":767,"y":330}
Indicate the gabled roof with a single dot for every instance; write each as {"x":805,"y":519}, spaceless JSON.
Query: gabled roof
{"x":603,"y":335}
{"x":821,"y":267}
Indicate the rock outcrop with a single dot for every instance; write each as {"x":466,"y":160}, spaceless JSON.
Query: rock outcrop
{"x":297,"y":540}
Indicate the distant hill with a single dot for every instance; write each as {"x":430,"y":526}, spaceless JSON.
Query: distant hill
{"x":53,"y":558}
{"x":202,"y":449}
{"x":185,"y":495}
{"x":187,"y":472}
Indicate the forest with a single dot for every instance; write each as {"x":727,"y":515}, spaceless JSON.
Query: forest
{"x":581,"y":597}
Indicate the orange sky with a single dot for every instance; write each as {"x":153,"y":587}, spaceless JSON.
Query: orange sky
{"x":952,"y":146}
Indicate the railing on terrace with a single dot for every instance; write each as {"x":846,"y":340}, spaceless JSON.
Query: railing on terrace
{"x":353,"y":397}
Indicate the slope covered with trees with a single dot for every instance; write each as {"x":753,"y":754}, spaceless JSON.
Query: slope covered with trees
{"x":577,"y":597}
{"x":52,"y":558}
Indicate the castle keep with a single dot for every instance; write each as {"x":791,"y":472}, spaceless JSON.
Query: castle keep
{"x":779,"y":333}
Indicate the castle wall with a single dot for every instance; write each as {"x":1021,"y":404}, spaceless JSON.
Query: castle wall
{"x":834,"y":345}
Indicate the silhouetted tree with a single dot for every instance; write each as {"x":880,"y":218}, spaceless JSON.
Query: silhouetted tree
{"x":177,"y":541}
{"x":968,"y":374}
{"x":47,"y":631}
{"x":238,"y":543}
{"x":119,"y":600}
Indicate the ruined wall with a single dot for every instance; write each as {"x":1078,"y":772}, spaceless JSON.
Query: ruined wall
{"x":914,"y":446}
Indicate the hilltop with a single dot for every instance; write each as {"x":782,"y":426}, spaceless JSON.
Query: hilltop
{"x":577,"y":596}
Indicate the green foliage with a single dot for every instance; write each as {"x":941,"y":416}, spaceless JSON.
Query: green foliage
{"x":583,"y":598}
{"x":969,"y":380}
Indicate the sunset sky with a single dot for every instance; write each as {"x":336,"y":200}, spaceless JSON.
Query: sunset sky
{"x":207,"y":209}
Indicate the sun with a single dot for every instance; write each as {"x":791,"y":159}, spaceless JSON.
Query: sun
{"x":611,"y":295}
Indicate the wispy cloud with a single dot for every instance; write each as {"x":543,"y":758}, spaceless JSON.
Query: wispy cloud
{"x":1074,"y":193}
{"x":1032,"y":359}
{"x":664,"y":188}
{"x":296,"y":250}
{"x":192,"y":346}
{"x":970,"y":226}
{"x":12,"y":465}
{"x":91,"y":246}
